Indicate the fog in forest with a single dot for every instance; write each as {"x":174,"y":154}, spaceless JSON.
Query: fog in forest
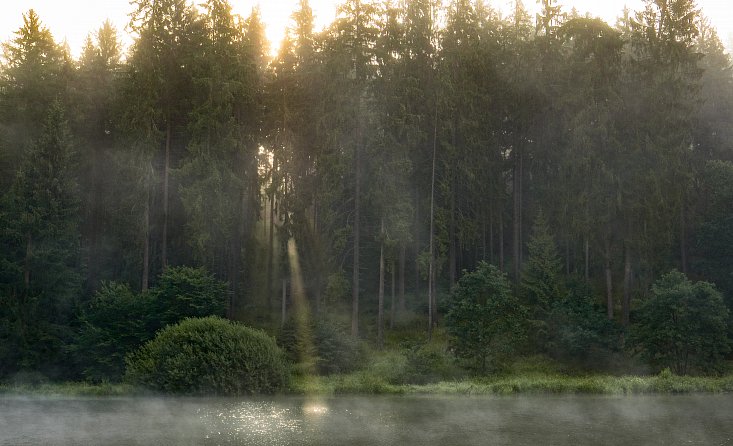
{"x":425,"y":193}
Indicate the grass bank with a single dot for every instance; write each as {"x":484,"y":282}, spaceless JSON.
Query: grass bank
{"x":365,"y":383}
{"x":67,"y":389}
{"x":665,"y":383}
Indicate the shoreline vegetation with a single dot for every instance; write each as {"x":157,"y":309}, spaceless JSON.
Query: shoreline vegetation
{"x":362,"y":383}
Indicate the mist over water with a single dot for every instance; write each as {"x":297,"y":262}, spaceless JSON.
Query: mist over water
{"x":527,"y":420}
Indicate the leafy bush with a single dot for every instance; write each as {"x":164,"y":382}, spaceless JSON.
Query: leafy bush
{"x":332,"y":350}
{"x":209,"y":356}
{"x":116,"y":322}
{"x":429,"y":363}
{"x":683,"y":326}
{"x":183,"y":292}
{"x":578,"y":328}
{"x":485,"y":321}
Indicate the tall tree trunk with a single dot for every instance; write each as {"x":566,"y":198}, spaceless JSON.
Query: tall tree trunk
{"x":380,"y":309}
{"x":627,"y":284}
{"x":417,"y":242}
{"x":431,"y":267}
{"x":271,"y":237}
{"x":517,"y":220}
{"x":166,"y":173}
{"x":609,"y":282}
{"x":394,"y":289}
{"x":587,"y":258}
{"x":284,"y":303}
{"x":683,"y":239}
{"x":452,"y":255}
{"x":357,"y":218}
{"x":403,"y":258}
{"x":501,"y":241}
{"x":146,"y":245}
{"x":27,"y":262}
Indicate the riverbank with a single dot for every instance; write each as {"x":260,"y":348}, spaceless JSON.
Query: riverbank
{"x":364,"y":383}
{"x":665,"y":383}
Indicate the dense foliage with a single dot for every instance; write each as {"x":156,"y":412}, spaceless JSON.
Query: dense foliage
{"x":209,"y":356}
{"x":117,"y":321}
{"x":684,"y":325}
{"x":321,"y":344}
{"x":485,"y":320}
{"x":357,"y":173}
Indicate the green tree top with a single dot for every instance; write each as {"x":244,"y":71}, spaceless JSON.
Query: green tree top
{"x":540,"y":282}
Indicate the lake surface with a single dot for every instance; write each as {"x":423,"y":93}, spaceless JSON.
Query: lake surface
{"x":430,"y":420}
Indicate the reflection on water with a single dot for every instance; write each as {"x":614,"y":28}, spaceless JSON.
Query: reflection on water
{"x":534,"y":420}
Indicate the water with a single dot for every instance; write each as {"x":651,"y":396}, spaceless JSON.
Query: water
{"x":527,"y":420}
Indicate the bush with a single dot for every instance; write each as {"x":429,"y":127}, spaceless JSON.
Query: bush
{"x":115,"y":323}
{"x":683,"y":326}
{"x":183,"y":292}
{"x":485,"y":321}
{"x":332,"y":350}
{"x":209,"y":356}
{"x":578,"y":328}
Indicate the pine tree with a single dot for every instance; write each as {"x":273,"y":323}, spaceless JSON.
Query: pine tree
{"x":40,"y":259}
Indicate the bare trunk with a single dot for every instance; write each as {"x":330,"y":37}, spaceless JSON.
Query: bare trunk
{"x":394,"y":289}
{"x":501,"y":241}
{"x":683,"y":239}
{"x":431,"y":267}
{"x":627,"y":285}
{"x":146,"y":246}
{"x":403,"y":257}
{"x":271,"y":239}
{"x":284,"y":304}
{"x":418,"y":222}
{"x":587,"y":258}
{"x":609,"y":283}
{"x":516,"y":223}
{"x":452,"y":255}
{"x":166,"y":172}
{"x":27,"y":262}
{"x":357,"y":218}
{"x":380,"y":309}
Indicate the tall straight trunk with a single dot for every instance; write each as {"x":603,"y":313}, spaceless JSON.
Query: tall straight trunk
{"x":431,"y":277}
{"x":452,"y":255}
{"x":517,"y":220}
{"x":627,"y":285}
{"x":284,"y":303}
{"x":609,"y":282}
{"x":683,"y":239}
{"x":271,"y":237}
{"x":417,"y":242}
{"x":394,"y":289}
{"x":166,"y":173}
{"x":380,"y":308}
{"x":357,"y":218}
{"x":27,"y":262}
{"x":501,"y":241}
{"x":491,"y":239}
{"x":587,"y":258}
{"x":146,"y":245}
{"x":403,"y":258}
{"x":567,"y":257}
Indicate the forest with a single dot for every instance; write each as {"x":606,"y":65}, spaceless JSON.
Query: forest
{"x":420,"y":169}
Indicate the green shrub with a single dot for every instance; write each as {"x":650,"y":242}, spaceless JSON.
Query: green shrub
{"x":486,"y":322}
{"x":683,"y":326}
{"x":183,"y":292}
{"x":332,"y":350}
{"x":115,"y":323}
{"x":209,"y":356}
